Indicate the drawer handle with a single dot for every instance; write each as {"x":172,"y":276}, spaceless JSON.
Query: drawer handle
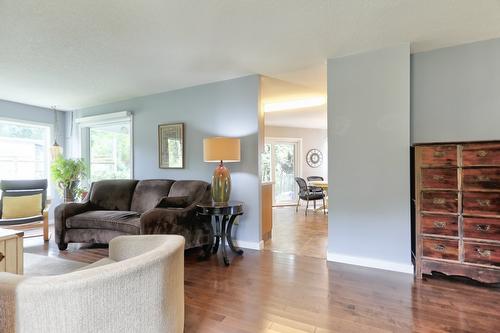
{"x":1,"y":256}
{"x":483,"y":253}
{"x":440,"y":247}
{"x":439,"y":201}
{"x":482,"y":227}
{"x":440,"y":224}
{"x":437,"y":177}
{"x":482,"y":178}
{"x":484,"y":203}
{"x":482,"y":153}
{"x":439,"y":154}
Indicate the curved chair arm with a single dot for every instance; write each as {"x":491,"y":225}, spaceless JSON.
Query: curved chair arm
{"x":8,"y":285}
{"x":126,"y":247}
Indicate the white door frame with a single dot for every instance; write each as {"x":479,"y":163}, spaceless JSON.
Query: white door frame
{"x":298,"y":160}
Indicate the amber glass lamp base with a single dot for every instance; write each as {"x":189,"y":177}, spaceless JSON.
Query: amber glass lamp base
{"x":221,"y":184}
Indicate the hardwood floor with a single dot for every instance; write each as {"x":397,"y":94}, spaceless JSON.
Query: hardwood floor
{"x":265,"y":291}
{"x":295,"y":233}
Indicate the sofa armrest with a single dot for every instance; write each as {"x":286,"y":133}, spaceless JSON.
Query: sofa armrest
{"x":65,"y":211}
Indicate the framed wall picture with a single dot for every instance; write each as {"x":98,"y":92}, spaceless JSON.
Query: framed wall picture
{"x":171,"y":146}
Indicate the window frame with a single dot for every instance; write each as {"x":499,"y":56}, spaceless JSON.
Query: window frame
{"x":50,"y":139}
{"x":85,"y":123}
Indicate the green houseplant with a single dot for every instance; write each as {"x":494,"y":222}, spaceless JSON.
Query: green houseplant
{"x":67,"y":174}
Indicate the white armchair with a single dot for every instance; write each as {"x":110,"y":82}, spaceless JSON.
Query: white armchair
{"x":139,"y":288}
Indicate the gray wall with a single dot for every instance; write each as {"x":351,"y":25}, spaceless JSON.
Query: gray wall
{"x":312,"y":138}
{"x":455,"y":93}
{"x":29,"y":113}
{"x":226,"y":108}
{"x":368,"y":140}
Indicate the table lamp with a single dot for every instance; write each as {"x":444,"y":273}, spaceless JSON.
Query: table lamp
{"x":221,"y":149}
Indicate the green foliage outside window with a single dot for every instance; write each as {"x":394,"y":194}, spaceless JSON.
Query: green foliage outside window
{"x":109,"y":153}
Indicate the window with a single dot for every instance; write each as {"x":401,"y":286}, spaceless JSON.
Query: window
{"x":107,"y":146}
{"x":110,"y":151}
{"x":24,"y":150}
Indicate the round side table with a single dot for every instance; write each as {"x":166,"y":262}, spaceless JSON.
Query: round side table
{"x":225,"y":214}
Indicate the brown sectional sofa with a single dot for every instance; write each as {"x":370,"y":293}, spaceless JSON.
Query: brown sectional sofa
{"x":131,"y":207}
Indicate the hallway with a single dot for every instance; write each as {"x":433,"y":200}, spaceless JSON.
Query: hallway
{"x":295,"y":233}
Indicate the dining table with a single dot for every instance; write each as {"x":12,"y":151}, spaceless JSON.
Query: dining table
{"x":323,"y":184}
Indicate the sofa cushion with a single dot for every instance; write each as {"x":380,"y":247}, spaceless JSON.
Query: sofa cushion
{"x":113,"y":194}
{"x":195,"y":189}
{"x":123,"y":221}
{"x":148,"y":193}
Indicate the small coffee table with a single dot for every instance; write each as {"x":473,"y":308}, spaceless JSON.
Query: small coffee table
{"x":225,"y":214}
{"x":11,"y":251}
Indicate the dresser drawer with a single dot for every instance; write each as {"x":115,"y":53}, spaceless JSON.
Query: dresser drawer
{"x":481,"y":203}
{"x":435,"y":156}
{"x":482,"y":253}
{"x":481,"y":179}
{"x":439,"y":178}
{"x":439,"y":225}
{"x":440,"y":248}
{"x":439,"y":201}
{"x":481,"y":154}
{"x":482,"y":228}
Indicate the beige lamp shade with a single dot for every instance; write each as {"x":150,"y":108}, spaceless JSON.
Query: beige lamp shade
{"x":221,"y":149}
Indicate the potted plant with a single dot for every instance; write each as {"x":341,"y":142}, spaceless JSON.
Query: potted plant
{"x":67,"y":173}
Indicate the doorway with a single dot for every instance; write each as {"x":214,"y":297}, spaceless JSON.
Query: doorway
{"x":282,"y":156}
{"x":294,"y":145}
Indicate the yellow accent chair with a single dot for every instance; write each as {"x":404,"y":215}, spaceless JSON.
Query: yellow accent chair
{"x":23,"y":205}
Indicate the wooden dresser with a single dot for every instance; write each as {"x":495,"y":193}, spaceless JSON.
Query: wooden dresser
{"x":457,"y":210}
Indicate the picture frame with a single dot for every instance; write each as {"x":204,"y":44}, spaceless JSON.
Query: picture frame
{"x":171,"y":146}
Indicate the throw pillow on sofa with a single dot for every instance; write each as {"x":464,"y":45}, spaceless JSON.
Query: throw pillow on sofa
{"x":174,"y":202}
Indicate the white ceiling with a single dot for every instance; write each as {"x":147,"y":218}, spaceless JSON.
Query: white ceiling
{"x":81,"y":52}
{"x":307,"y":84}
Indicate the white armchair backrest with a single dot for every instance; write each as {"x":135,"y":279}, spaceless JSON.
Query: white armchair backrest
{"x":142,"y":292}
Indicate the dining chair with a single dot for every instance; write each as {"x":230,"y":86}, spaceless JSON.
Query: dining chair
{"x":307,"y":194}
{"x":315,"y":178}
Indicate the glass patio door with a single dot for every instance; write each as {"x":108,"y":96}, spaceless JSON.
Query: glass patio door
{"x":280,"y":165}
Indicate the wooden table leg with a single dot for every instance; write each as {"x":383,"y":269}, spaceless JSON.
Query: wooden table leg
{"x":230,"y":237}
{"x":46,"y":235}
{"x":223,"y":241}
{"x":217,"y":235}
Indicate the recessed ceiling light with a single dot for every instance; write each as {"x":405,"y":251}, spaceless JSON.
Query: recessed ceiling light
{"x":295,"y":104}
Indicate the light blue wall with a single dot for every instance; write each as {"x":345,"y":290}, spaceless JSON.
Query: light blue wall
{"x":226,"y":108}
{"x":368,"y":165}
{"x":23,"y":112}
{"x":455,"y":93}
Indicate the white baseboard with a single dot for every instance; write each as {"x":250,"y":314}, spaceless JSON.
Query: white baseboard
{"x":249,"y":245}
{"x":370,"y":262}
